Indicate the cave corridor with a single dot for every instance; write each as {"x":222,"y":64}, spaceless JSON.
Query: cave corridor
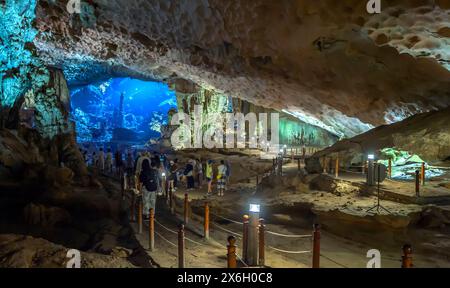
{"x":224,"y":134}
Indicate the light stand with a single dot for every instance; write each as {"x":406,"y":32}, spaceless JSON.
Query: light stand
{"x":379,"y":206}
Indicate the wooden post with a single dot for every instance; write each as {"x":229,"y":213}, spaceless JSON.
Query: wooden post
{"x":206,"y":221}
{"x":262,"y":243}
{"x":316,"y":247}
{"x":245,"y":237}
{"x":407,"y":261}
{"x":181,"y":262}
{"x":140,"y":211}
{"x":231,"y":252}
{"x":390,"y":168}
{"x":186,"y":208}
{"x":417,"y":183}
{"x":298,"y":164}
{"x":324,"y":165}
{"x":336,"y":169}
{"x":423,"y":174}
{"x":151,"y":229}
{"x":292,"y":156}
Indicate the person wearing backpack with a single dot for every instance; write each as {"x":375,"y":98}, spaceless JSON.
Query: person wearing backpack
{"x":148,"y":180}
{"x":189,"y":173}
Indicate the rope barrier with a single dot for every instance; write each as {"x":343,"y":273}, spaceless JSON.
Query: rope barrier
{"x":289,"y":236}
{"x":230,"y":220}
{"x":288,"y":252}
{"x":162,"y":237}
{"x":226,"y":230}
{"x":354,"y":172}
{"x":171,"y":231}
{"x":331,"y":260}
{"x":193,"y":241}
{"x":242,"y":261}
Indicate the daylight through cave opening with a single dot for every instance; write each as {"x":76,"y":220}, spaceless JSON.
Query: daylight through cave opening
{"x":120,"y":111}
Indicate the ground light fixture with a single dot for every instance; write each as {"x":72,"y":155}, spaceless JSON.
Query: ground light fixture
{"x":252,"y":240}
{"x":255,"y":208}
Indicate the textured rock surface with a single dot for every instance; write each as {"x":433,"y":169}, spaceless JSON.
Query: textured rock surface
{"x":19,"y":251}
{"x":415,"y":135}
{"x":328,"y":62}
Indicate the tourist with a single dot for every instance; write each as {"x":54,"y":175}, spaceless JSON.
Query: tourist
{"x":209,"y":175}
{"x":172,"y":175}
{"x":189,"y":173}
{"x":130,"y":163}
{"x":143,"y":156}
{"x":199,"y":169}
{"x":221,"y":178}
{"x":148,"y":180}
{"x":228,"y":174}
{"x":119,"y":163}
{"x":94,"y":160}
{"x":109,"y":161}
{"x":101,"y":160}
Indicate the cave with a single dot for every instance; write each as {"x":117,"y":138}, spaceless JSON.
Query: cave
{"x":121,"y":120}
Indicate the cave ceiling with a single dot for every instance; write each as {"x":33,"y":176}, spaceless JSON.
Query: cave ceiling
{"x":328,"y":62}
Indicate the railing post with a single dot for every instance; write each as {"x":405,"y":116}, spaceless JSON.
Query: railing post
{"x":245,"y":237}
{"x":231,"y":252}
{"x":336,"y":171}
{"x":186,"y":208}
{"x":390,"y":168}
{"x":206,"y":221}
{"x":262,"y":243}
{"x":151,"y":229}
{"x":316,"y":247}
{"x":423,"y":175}
{"x":407,"y":261}
{"x":140,"y":212}
{"x":181,"y":262}
{"x":417,"y":183}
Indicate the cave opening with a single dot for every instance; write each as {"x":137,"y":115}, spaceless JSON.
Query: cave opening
{"x":120,"y":112}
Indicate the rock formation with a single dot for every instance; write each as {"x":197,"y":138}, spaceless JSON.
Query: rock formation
{"x":330,"y":63}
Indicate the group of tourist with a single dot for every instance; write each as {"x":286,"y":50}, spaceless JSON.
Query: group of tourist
{"x":153,"y":172}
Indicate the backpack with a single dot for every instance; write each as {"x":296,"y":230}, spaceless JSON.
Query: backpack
{"x":150,"y":180}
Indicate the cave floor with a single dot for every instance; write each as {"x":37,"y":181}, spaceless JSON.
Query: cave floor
{"x":336,"y":252}
{"x":434,"y":190}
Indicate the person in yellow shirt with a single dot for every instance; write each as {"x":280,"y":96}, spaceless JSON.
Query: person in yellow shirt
{"x":209,"y":175}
